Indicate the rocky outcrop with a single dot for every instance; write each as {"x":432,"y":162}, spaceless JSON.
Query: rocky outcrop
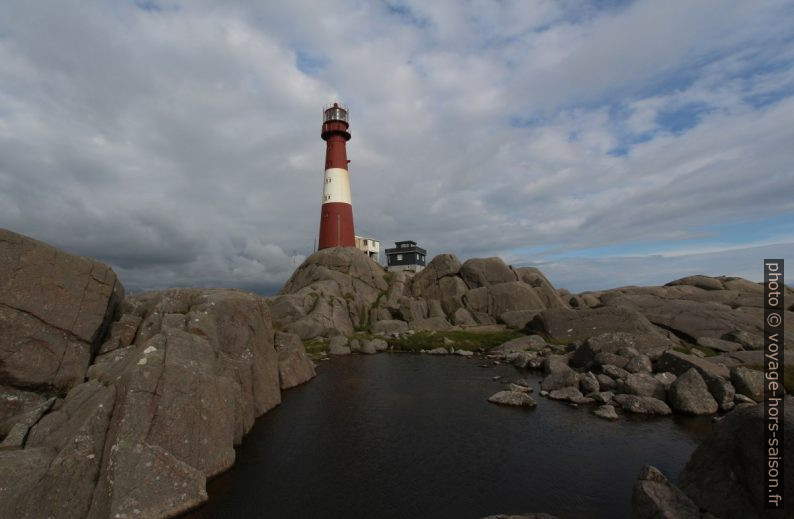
{"x":567,"y":326}
{"x":341,"y":291}
{"x":294,"y":366}
{"x":655,"y":497}
{"x":725,"y":475}
{"x":178,"y":378}
{"x":54,"y":309}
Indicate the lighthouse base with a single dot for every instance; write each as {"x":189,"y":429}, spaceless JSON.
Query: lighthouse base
{"x":336,"y":225}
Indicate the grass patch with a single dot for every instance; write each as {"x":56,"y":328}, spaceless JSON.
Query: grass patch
{"x":316,"y":348}
{"x":462,"y":340}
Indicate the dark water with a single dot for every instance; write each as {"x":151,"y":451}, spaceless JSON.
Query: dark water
{"x":413,"y":436}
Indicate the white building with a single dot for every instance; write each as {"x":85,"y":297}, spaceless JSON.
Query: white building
{"x":369,"y":246}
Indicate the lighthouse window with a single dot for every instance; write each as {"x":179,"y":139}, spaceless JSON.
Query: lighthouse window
{"x":399,"y":257}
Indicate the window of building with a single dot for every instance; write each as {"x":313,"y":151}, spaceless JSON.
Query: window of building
{"x":399,"y":257}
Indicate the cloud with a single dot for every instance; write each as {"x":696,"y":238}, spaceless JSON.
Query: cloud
{"x":179,"y":141}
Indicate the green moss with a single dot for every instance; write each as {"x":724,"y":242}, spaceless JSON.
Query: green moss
{"x":316,"y":348}
{"x":705,"y":349}
{"x":388,"y":277}
{"x":462,"y":340}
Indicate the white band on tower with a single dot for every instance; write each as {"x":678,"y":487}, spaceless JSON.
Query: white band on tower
{"x":337,"y":186}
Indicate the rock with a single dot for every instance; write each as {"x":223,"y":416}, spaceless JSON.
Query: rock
{"x":69,"y":441}
{"x":514,"y":398}
{"x":437,"y":351}
{"x":643,"y":405}
{"x":686,"y":318}
{"x":435,"y":324}
{"x":378,"y":344}
{"x":704,"y":282}
{"x":439,"y":280}
{"x":655,"y":497}
{"x":748,"y":382}
{"x":15,"y":404}
{"x":565,"y":325}
{"x":614,"y":372}
{"x":652,"y":345}
{"x":589,"y":383}
{"x":294,"y":366}
{"x":697,"y":353}
{"x":517,"y":319}
{"x":483,"y":272}
{"x":718,"y":344}
{"x":368,"y":348}
{"x":739,"y":398}
{"x":339,"y":349}
{"x":639,"y":364}
{"x":519,"y":387}
{"x":523,"y":359}
{"x":463,"y":317}
{"x":606,"y":411}
{"x":605,"y":381}
{"x":21,"y":424}
{"x":495,"y":300}
{"x":602,"y":358}
{"x":666,"y":378}
{"x":54,"y":309}
{"x":678,"y":363}
{"x":726,"y":473}
{"x":555,"y":364}
{"x":389,"y":327}
{"x":525,"y":343}
{"x":643,"y":384}
{"x":722,"y":391}
{"x":689,"y":394}
{"x":749,"y":341}
{"x":560,"y":379}
{"x":567,"y":393}
{"x":603,"y":397}
{"x":542,"y":286}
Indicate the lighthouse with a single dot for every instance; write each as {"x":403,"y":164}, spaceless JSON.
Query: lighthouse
{"x":336,"y":216}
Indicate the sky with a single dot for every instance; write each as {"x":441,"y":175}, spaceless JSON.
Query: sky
{"x":607,"y":143}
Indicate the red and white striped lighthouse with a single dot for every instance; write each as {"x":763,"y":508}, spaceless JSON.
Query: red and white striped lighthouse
{"x":336,"y":216}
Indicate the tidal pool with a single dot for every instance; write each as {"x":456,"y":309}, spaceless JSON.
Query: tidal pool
{"x":413,"y":436}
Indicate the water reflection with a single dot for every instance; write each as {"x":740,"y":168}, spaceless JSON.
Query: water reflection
{"x":413,"y":436}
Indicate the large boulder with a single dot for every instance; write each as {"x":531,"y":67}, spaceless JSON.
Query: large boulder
{"x":748,"y":382}
{"x":726,"y":473}
{"x":643,"y":405}
{"x":294,"y":366}
{"x":563,"y":325}
{"x":678,"y":363}
{"x":496,"y":300}
{"x":543,"y":287}
{"x":655,"y":497}
{"x":440,"y":281}
{"x":643,"y":384}
{"x":483,"y":272}
{"x":689,"y":394}
{"x":333,"y":291}
{"x":650,"y":344}
{"x":54,"y":310}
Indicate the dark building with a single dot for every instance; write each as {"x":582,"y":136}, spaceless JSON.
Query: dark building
{"x":405,"y":255}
